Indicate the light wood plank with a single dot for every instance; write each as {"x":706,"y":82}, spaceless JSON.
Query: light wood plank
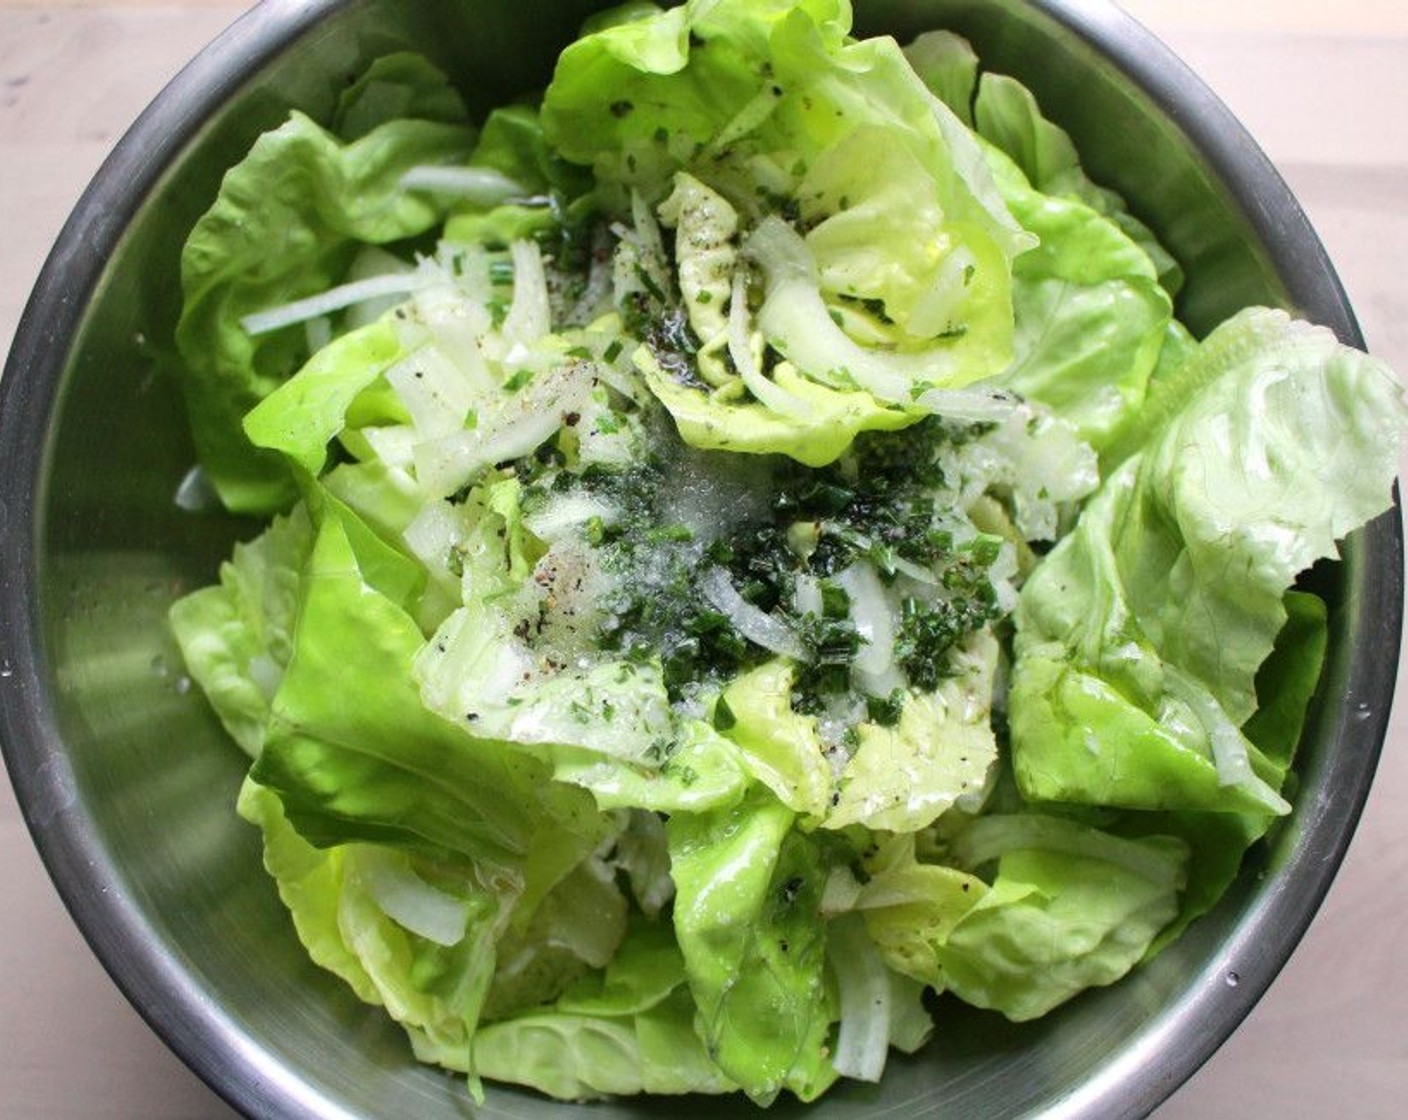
{"x":1351,"y":17}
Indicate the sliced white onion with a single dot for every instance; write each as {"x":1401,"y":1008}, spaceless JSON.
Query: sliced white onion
{"x":873,"y":617}
{"x":529,"y":315}
{"x":647,"y":229}
{"x":990,"y":837}
{"x":841,"y":893}
{"x":394,"y":444}
{"x":334,"y":299}
{"x":882,"y":683}
{"x":561,"y":515}
{"x":434,"y":390}
{"x":806,"y":595}
{"x":433,"y":534}
{"x":411,"y":902}
{"x":481,"y":185}
{"x":756,"y":625}
{"x":596,"y":294}
{"x":196,"y":493}
{"x":517,"y":427}
{"x":627,"y":384}
{"x":640,"y":251}
{"x":445,"y":464}
{"x":458,"y":326}
{"x":863,"y":1040}
{"x":740,"y":349}
{"x":974,"y":405}
{"x":916,"y":572}
{"x":935,"y":309}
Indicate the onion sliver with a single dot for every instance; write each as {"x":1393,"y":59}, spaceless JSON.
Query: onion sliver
{"x":334,"y":299}
{"x":756,"y":625}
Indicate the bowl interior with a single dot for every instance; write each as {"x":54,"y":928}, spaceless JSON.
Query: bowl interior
{"x":128,"y":783}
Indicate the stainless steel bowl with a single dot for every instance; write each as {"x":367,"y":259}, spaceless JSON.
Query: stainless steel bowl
{"x":125,"y":778}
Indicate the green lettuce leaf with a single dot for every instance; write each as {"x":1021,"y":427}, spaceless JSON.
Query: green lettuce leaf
{"x":395,"y":87}
{"x":691,"y":71}
{"x":385,"y":768}
{"x":818,"y":436}
{"x":236,"y":637}
{"x":309,"y":881}
{"x":385,"y":499}
{"x":1069,"y":908}
{"x":381,"y":559}
{"x":780,"y":747}
{"x":1090,"y":314}
{"x":1078,"y":738}
{"x":1003,"y":111}
{"x":577,"y":927}
{"x":626,"y":1029}
{"x":644,"y":972}
{"x":910,"y":907}
{"x":747,"y":915}
{"x":1006,"y":113}
{"x":1285,"y":684}
{"x":1287,"y":680}
{"x":902,"y":778}
{"x":309,"y":410}
{"x":345,"y":903}
{"x":434,"y":990}
{"x":574,"y":1057}
{"x":1141,"y":634}
{"x":882,"y":235}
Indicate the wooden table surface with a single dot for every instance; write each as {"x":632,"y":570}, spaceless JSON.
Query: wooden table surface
{"x":1324,"y":87}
